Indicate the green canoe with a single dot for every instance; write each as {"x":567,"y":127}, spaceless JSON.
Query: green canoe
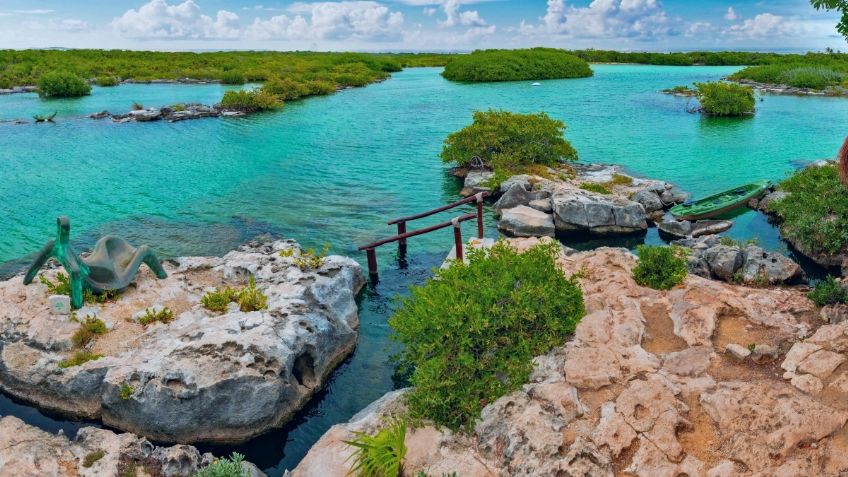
{"x":721,"y":203}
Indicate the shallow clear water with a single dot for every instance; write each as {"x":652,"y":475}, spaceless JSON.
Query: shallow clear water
{"x":334,"y":169}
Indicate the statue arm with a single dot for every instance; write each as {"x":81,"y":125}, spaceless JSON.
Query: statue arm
{"x":42,"y":257}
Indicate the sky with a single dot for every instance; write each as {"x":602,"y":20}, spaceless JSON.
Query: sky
{"x":418,"y":25}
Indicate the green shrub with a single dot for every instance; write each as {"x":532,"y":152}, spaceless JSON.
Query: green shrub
{"x":232,"y":77}
{"x":286,"y":88}
{"x":814,"y":77}
{"x":725,"y":99}
{"x":515,"y":65}
{"x":92,"y":457}
{"x":249,"y":298}
{"x":165,"y":315}
{"x":61,"y":287}
{"x":320,"y":87}
{"x":509,"y":142}
{"x":828,"y":292}
{"x":307,"y":259}
{"x":799,"y":75}
{"x":89,"y":329}
{"x":380,"y":455}
{"x":62,"y":84}
{"x":79,"y":358}
{"x":620,"y":179}
{"x":225,"y":467}
{"x":126,"y":391}
{"x":595,"y":187}
{"x":660,"y":268}
{"x":471,"y":332}
{"x":816,"y":216}
{"x":250,"y":101}
{"x":107,"y":81}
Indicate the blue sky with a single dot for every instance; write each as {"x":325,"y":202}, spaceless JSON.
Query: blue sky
{"x":431,"y":25}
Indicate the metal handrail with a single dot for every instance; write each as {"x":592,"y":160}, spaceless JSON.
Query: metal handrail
{"x":402,"y":234}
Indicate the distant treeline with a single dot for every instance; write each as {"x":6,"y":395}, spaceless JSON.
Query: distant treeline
{"x":108,"y":67}
{"x":25,"y":67}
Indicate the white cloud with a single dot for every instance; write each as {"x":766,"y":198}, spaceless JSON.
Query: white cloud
{"x":35,"y":11}
{"x":604,"y":19}
{"x":765,"y":25}
{"x":454,"y":17}
{"x":698,"y":29}
{"x":365,"y":20}
{"x":159,"y":20}
{"x":731,"y":15}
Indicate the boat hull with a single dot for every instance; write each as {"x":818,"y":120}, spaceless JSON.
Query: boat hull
{"x":719,"y":210}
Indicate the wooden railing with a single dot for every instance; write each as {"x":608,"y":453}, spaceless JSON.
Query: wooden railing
{"x":402,"y":234}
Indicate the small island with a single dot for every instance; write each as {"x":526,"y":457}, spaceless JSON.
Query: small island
{"x":516,"y":65}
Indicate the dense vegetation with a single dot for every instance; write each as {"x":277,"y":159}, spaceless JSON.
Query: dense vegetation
{"x":661,"y":268}
{"x":508,"y":143}
{"x":250,"y":101}
{"x":799,"y":75}
{"x":470,"y":333}
{"x":62,"y":84}
{"x":515,"y":65}
{"x":226,"y":467}
{"x":725,"y":99}
{"x":816,"y":215}
{"x":828,"y":292}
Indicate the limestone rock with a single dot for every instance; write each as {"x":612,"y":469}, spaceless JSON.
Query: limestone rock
{"x":724,"y":260}
{"x":598,"y":214}
{"x":821,"y":363}
{"x":521,"y":180}
{"x":807,"y":383}
{"x":772,"y":267}
{"x":737,"y":351}
{"x":764,"y":353}
{"x":522,"y":221}
{"x":542,"y":205}
{"x":475,"y":182}
{"x":649,"y":200}
{"x":29,"y":451}
{"x":204,"y":376}
{"x":676,"y":228}
{"x":514,"y":196}
{"x":835,"y":314}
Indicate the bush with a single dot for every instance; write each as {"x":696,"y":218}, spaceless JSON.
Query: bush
{"x":165,"y":315}
{"x":92,"y":457}
{"x":509,"y":142}
{"x":286,"y":89}
{"x":79,"y":358}
{"x":515,"y":65}
{"x":89,"y":329}
{"x":816,"y":216}
{"x":232,"y":77}
{"x":471,"y":332}
{"x":126,"y":391}
{"x":799,"y":75}
{"x":107,"y":81}
{"x":250,"y":101}
{"x":380,"y":455}
{"x":828,"y":292}
{"x":595,"y":187}
{"x":660,"y":268}
{"x":725,"y":99}
{"x":320,"y":88}
{"x":249,"y":298}
{"x":307,"y":259}
{"x":225,"y":467}
{"x":62,"y":84}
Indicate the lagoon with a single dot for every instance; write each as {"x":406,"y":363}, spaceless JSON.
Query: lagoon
{"x":334,"y":169}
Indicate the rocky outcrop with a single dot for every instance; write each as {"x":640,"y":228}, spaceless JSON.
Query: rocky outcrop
{"x":736,"y":263}
{"x":645,"y":387}
{"x":577,"y":210}
{"x":476,"y":181}
{"x":782,"y":89}
{"x":205,"y":376}
{"x":685,"y":228}
{"x":28,"y":451}
{"x":172,"y":114}
{"x":19,"y":89}
{"x":523,"y":221}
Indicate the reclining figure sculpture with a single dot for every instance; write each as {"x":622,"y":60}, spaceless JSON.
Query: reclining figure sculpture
{"x":112,"y":264}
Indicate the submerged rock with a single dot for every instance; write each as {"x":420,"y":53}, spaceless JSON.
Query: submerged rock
{"x":206,"y":376}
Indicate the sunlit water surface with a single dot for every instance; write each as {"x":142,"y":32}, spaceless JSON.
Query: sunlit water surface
{"x":334,"y":169}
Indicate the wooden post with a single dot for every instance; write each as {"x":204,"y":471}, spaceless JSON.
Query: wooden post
{"x":372,"y":264}
{"x":401,"y":227}
{"x":457,"y":238}
{"x":480,"y":215}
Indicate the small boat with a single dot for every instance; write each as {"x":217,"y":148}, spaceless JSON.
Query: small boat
{"x":721,"y":203}
{"x":536,"y":84}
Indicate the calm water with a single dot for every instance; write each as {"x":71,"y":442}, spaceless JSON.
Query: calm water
{"x":334,"y":169}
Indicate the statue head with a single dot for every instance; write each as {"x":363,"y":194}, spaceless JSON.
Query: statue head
{"x":63,"y":229}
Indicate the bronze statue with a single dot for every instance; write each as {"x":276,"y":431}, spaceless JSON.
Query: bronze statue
{"x":112,"y":264}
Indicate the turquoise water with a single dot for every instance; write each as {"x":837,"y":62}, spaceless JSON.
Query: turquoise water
{"x":334,"y":169}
